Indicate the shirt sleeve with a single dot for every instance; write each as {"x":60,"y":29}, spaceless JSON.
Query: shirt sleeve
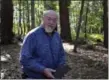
{"x":26,"y":58}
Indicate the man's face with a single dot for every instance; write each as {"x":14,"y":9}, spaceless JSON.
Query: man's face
{"x":50,"y":22}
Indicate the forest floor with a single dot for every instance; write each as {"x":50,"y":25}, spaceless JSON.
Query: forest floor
{"x":85,"y":64}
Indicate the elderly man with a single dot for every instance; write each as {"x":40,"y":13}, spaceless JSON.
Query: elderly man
{"x":42,"y":51}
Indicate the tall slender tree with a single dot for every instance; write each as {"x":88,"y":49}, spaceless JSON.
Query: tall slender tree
{"x":105,"y":22}
{"x":32,"y":14}
{"x":78,"y":27}
{"x":6,"y":21}
{"x":87,"y":10}
{"x":20,"y":16}
{"x":64,"y":20}
{"x":23,"y":16}
{"x":28,"y":16}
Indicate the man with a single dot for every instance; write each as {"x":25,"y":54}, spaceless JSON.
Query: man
{"x":42,"y":51}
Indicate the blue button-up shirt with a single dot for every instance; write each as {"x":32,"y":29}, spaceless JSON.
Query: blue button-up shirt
{"x":40,"y":51}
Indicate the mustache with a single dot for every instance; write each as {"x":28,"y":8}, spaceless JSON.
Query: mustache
{"x":51,"y":26}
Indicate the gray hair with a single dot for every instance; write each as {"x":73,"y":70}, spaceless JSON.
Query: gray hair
{"x":49,"y":11}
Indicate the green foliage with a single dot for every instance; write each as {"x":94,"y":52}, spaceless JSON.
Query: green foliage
{"x":15,"y":28}
{"x":94,"y":17}
{"x":81,"y":39}
{"x":91,"y":38}
{"x":95,"y":37}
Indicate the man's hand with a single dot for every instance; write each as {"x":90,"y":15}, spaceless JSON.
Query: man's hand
{"x":48,"y":73}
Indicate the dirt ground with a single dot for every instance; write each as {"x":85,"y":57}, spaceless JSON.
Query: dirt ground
{"x":85,"y":64}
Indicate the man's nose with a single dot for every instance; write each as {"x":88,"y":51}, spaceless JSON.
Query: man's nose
{"x":51,"y":22}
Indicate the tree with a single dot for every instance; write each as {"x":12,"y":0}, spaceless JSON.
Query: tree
{"x":24,"y":27}
{"x":87,"y":9}
{"x":20,"y":16}
{"x":64,"y":20}
{"x":105,"y":22}
{"x":28,"y":16}
{"x":78,"y":27}
{"x":6,"y":21}
{"x":32,"y":14}
{"x":50,"y":4}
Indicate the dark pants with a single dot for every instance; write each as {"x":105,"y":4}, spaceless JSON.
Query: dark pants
{"x":24,"y":76}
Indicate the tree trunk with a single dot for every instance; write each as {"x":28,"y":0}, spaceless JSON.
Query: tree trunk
{"x":87,"y":9}
{"x":64,"y":20}
{"x":24,"y":27}
{"x":28,"y":17}
{"x":20,"y":25}
{"x":105,"y":22}
{"x":32,"y":15}
{"x":6,"y":21}
{"x":79,"y":25}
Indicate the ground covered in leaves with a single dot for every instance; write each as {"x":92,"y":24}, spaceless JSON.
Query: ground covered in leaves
{"x":85,"y":64}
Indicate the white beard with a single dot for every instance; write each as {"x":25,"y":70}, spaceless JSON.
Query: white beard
{"x":49,"y":29}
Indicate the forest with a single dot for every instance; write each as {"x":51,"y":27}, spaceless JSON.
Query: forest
{"x":82,"y":25}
